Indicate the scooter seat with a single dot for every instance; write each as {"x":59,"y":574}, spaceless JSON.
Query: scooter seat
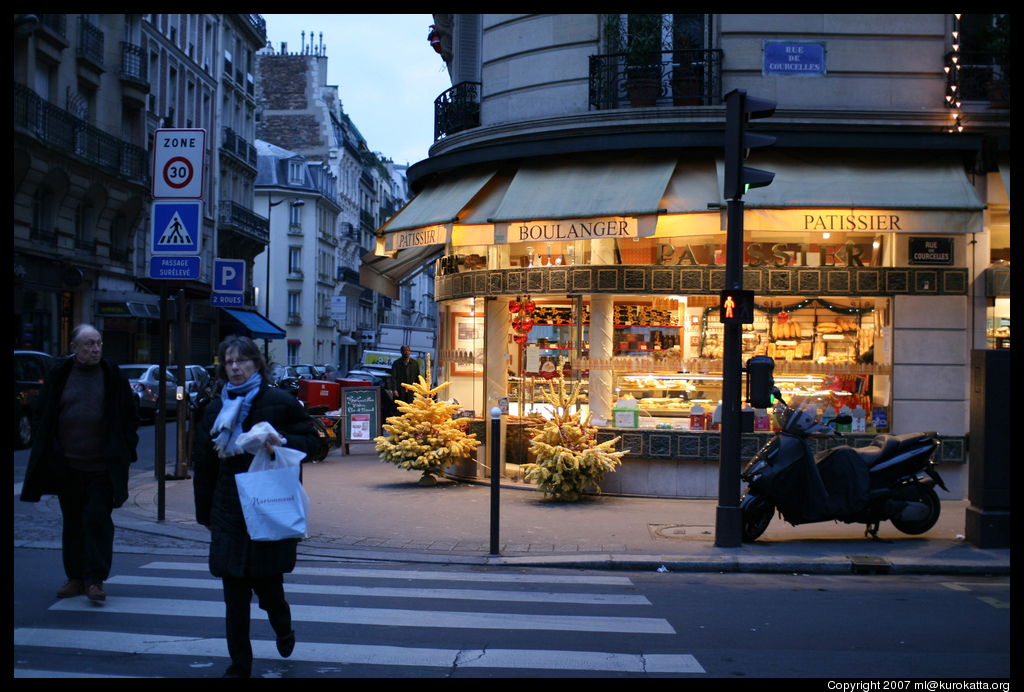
{"x":871,"y":454}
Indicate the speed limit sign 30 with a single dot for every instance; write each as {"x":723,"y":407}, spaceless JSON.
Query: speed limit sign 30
{"x":178,"y":163}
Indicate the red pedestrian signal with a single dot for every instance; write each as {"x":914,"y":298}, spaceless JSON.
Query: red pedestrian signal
{"x":736,"y":307}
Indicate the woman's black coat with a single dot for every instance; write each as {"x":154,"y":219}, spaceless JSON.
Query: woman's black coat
{"x":232,"y":552}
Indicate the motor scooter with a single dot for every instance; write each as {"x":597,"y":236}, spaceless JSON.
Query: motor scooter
{"x":891,"y":479}
{"x":328,"y":429}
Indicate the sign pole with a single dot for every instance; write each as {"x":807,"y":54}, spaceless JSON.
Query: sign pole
{"x":160,"y":458}
{"x":728,"y":515}
{"x":495,"y":479}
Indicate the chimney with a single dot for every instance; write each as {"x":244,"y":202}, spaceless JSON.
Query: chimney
{"x":284,"y":48}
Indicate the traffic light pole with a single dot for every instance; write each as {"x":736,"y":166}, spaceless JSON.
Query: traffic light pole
{"x":728,"y":516}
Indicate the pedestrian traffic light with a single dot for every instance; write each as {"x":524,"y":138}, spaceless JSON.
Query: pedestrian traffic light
{"x":739,"y":109}
{"x":736,"y":307}
{"x":760,"y":382}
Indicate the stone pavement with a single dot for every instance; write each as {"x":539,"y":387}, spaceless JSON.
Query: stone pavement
{"x":364,"y":509}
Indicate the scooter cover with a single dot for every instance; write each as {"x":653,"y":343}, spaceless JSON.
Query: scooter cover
{"x":846,"y":479}
{"x":796,"y":488}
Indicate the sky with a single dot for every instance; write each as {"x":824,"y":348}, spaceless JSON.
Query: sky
{"x":386,"y":73}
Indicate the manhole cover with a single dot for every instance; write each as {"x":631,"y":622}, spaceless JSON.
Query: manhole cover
{"x":677,"y":531}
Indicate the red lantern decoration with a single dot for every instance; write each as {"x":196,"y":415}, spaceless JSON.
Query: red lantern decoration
{"x":514,"y":306}
{"x":529,"y":306}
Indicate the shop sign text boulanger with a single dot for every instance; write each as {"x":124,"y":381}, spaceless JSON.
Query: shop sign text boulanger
{"x":573,"y":229}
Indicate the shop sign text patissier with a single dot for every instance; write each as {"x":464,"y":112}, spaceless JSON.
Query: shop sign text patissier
{"x":418,"y":237}
{"x":573,"y":229}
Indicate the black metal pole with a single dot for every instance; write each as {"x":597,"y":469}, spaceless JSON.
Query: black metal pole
{"x":728,"y":516}
{"x":495,"y":478}
{"x":181,"y":465}
{"x":160,"y":432}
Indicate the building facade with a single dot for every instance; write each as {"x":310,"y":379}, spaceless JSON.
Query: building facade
{"x":300,"y":112}
{"x":90,"y":92}
{"x":300,"y":199}
{"x":577,"y":170}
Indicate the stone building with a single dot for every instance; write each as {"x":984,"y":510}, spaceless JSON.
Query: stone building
{"x":578,"y":166}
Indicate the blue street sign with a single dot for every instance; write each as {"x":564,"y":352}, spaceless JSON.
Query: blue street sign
{"x":164,"y":267}
{"x":227,"y":300}
{"x":176,"y":228}
{"x":228,"y":276}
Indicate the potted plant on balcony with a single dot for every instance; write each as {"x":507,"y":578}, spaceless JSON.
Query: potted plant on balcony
{"x":643,"y":59}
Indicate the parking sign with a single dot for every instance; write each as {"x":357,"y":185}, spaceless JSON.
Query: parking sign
{"x":228,"y":276}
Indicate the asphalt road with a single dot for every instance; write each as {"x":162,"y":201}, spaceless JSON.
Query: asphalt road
{"x":163,"y":618}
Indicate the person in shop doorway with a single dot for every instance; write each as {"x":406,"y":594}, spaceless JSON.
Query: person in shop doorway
{"x":405,"y":370}
{"x":86,"y":435}
{"x":243,"y":565}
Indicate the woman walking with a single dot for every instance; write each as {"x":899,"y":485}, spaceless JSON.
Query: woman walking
{"x":245,"y":566}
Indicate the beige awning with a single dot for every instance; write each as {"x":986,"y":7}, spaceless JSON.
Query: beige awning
{"x":591,"y":186}
{"x":384,"y":273}
{"x":440,"y":203}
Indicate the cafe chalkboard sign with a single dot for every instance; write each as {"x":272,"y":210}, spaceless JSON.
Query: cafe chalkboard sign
{"x":360,"y":414}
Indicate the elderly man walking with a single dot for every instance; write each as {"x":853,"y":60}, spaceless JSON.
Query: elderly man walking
{"x":86,"y":434}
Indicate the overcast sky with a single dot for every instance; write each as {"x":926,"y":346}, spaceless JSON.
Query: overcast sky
{"x":386,"y":73}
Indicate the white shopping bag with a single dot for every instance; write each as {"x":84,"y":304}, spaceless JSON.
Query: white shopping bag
{"x":274,"y":503}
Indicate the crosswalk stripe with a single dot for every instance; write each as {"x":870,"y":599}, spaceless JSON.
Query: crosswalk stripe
{"x":367,"y":654}
{"x":31,"y":673}
{"x":381,"y":616}
{"x":493,"y":577}
{"x":391,"y":592}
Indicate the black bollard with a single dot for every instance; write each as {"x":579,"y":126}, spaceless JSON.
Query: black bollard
{"x":495,"y":477}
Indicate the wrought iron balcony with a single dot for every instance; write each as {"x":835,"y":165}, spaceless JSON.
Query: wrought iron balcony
{"x":237,"y":218}
{"x":58,"y":129}
{"x":90,"y":42}
{"x":133,"y":64}
{"x":238,"y":147}
{"x":982,"y":78}
{"x":681,"y":78}
{"x":457,"y":109}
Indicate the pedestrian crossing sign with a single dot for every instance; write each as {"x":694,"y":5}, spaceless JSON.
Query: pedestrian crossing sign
{"x":176,"y":227}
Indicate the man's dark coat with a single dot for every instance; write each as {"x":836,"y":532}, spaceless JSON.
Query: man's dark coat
{"x":232,"y":552}
{"x":46,"y":465}
{"x":408,"y":372}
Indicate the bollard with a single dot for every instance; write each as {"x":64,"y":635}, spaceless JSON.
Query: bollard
{"x":495,"y":476}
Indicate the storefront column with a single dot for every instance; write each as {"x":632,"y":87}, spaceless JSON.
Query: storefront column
{"x":498,"y":327}
{"x":602,"y":328}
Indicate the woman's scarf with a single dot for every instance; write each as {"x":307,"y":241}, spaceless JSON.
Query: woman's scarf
{"x":236,"y":399}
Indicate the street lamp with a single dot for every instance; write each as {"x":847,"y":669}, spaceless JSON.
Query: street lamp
{"x":295,"y":202}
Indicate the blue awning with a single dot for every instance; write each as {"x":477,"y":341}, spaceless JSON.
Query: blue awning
{"x":256,"y":324}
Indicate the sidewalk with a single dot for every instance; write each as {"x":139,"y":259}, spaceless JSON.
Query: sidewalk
{"x":364,"y":509}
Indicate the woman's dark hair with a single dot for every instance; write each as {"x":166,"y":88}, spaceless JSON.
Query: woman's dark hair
{"x":245,"y":348}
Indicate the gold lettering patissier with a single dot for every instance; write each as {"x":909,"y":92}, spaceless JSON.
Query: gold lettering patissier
{"x":852,"y":222}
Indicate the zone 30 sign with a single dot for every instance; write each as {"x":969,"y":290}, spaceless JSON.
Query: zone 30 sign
{"x":178,"y":163}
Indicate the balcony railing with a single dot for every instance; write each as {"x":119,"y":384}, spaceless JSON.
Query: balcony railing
{"x":242,"y":220}
{"x":133,"y":63}
{"x":238,"y":147}
{"x":60,"y":130}
{"x":681,"y":78}
{"x":457,"y":109}
{"x":981,"y":78}
{"x":90,"y":42}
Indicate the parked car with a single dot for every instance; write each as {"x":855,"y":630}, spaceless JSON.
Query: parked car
{"x":145,"y":382}
{"x":308,"y":372}
{"x":285,"y":377}
{"x":30,"y":369}
{"x":376,"y":378}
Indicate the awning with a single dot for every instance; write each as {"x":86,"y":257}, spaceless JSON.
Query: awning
{"x":933,"y":193}
{"x":383,"y":273}
{"x":347,"y":341}
{"x":256,"y":324}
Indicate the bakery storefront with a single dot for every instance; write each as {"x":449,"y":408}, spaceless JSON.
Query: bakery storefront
{"x":607,"y":273}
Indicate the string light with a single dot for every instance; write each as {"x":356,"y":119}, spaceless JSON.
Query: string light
{"x":953,"y":76}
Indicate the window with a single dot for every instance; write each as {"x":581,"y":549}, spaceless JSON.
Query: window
{"x":85,"y":222}
{"x":295,"y":260}
{"x":295,"y":175}
{"x":295,"y":215}
{"x":42,"y":210}
{"x":293,"y":353}
{"x":294,"y":303}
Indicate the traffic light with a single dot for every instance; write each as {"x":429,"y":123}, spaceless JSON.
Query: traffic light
{"x":736,"y":307}
{"x":760,"y":382}
{"x":739,"y":109}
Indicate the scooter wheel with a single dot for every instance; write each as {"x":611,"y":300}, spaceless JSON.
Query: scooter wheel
{"x":757,"y":514}
{"x":925,"y":494}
